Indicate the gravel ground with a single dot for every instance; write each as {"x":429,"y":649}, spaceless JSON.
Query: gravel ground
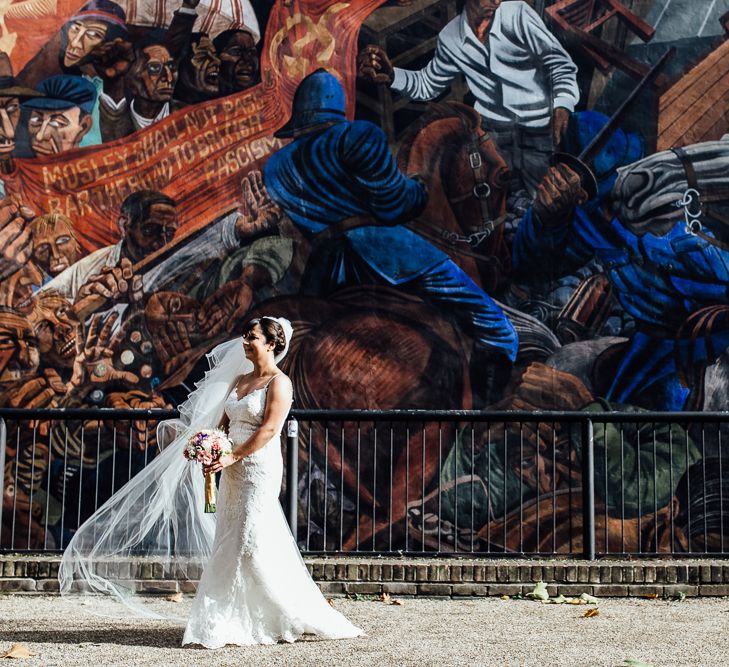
{"x":419,"y":632}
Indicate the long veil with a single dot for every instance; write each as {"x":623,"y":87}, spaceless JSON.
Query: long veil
{"x":155,"y":524}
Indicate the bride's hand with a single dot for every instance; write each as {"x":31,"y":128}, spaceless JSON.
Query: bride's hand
{"x":222,"y":462}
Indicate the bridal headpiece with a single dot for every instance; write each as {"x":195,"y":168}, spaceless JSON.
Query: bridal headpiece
{"x":288,"y":331}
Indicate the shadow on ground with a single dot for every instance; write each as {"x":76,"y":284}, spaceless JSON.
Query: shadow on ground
{"x":158,"y":637}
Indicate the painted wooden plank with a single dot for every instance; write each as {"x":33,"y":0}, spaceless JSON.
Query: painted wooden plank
{"x":707,"y":119}
{"x":705,"y":87}
{"x":706,"y":66}
{"x":694,"y":109}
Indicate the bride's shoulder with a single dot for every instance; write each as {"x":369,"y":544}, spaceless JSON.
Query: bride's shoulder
{"x":281,"y":377}
{"x":282,"y":381}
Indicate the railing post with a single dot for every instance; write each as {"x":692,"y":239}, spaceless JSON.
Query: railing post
{"x":588,"y":490}
{"x":3,"y":445}
{"x":292,"y":474}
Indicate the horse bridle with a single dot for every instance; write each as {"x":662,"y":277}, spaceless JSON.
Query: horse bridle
{"x":481,"y":191}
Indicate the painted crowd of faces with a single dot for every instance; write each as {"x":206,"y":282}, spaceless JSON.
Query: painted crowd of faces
{"x":117,"y":81}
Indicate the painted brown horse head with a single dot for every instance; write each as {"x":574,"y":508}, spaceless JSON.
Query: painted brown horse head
{"x":467,"y":181}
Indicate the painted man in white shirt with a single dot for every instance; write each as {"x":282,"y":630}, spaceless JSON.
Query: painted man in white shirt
{"x":523,"y":80}
{"x":148,"y":221}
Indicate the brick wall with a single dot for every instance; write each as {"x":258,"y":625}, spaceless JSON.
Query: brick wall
{"x":426,"y":577}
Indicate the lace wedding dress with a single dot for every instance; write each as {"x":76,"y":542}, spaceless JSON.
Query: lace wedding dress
{"x":255,"y":588}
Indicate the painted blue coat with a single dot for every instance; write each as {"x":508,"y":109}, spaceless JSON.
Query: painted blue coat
{"x":348,"y":170}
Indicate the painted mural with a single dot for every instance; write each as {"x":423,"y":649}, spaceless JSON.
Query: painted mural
{"x":487,"y":204}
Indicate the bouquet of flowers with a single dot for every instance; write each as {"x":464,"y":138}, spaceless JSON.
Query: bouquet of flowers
{"x":206,"y":447}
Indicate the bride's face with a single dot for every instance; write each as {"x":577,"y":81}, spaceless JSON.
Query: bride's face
{"x":255,"y":345}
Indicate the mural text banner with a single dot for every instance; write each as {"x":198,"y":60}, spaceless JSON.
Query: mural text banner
{"x":198,"y":154}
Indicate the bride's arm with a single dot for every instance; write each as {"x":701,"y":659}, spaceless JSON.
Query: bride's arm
{"x":278,"y":404}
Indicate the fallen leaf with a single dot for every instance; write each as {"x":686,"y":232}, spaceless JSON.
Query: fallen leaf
{"x":330,"y":601}
{"x":681,"y":596}
{"x":560,"y":599}
{"x":540,"y":592}
{"x":591,"y":613}
{"x":505,"y":597}
{"x":650,"y":596}
{"x":386,"y":599}
{"x":636,"y":663}
{"x":575,"y":601}
{"x":590,"y":599}
{"x":175,"y":597}
{"x":19,"y":652}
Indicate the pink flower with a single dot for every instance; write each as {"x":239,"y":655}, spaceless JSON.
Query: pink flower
{"x":207,"y":446}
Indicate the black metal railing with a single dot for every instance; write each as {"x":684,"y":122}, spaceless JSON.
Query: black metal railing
{"x":584,"y":483}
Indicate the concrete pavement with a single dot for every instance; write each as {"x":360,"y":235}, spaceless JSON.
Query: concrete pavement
{"x":420,"y":632}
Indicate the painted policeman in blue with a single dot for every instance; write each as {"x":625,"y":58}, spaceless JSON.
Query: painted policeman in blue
{"x":336,"y":169}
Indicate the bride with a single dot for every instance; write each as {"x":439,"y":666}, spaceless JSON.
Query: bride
{"x":255,"y":588}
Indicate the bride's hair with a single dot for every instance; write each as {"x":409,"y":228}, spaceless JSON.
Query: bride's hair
{"x":272,"y":331}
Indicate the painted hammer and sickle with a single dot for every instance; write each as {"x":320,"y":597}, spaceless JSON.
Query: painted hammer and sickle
{"x":296,"y":63}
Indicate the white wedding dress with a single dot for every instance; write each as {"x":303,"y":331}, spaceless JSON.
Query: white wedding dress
{"x":255,"y":588}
